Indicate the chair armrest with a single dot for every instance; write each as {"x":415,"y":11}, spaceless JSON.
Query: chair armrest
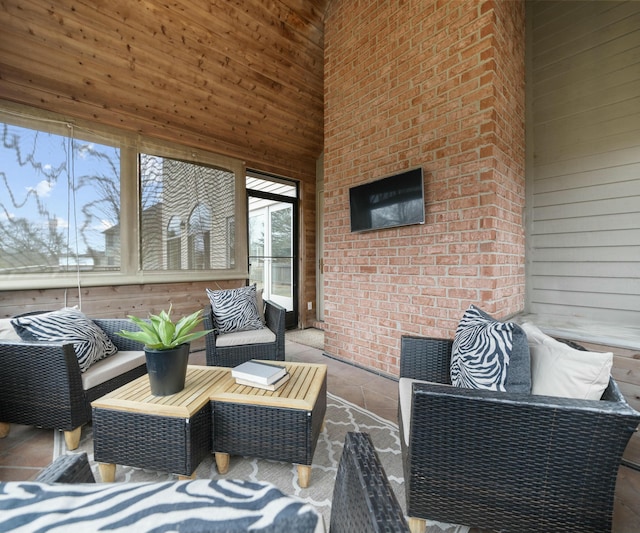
{"x":41,"y":385}
{"x":426,"y":358}
{"x":210,"y":338}
{"x":71,"y":468}
{"x":111,"y":326}
{"x":362,"y":497}
{"x":512,"y":450}
{"x":207,"y":319}
{"x":274,"y":316}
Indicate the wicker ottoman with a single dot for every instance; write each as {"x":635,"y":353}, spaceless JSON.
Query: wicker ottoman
{"x":282,"y":425}
{"x":167,"y":433}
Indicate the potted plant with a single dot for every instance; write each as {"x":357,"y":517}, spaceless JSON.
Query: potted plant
{"x":166,"y":348}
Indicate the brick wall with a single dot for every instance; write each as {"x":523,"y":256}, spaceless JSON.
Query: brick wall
{"x":438,"y":85}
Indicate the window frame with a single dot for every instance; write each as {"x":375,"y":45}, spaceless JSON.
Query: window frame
{"x":130,"y":261}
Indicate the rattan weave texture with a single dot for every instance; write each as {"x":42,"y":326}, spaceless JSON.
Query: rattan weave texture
{"x":362,"y":497}
{"x":70,"y":468}
{"x":231,"y":356}
{"x":281,"y":434}
{"x":41,"y":385}
{"x":165,"y":443}
{"x":509,"y":462}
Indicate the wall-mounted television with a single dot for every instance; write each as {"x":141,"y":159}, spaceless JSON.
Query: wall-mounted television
{"x":397,"y":200}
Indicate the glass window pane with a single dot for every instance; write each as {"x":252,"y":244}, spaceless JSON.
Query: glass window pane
{"x":59,"y":203}
{"x":282,"y":232}
{"x":204,"y":197}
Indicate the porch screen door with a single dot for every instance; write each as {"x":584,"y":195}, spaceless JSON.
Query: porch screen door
{"x":272,"y":264}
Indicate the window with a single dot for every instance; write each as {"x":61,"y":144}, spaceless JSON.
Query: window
{"x":59,"y":203}
{"x":203,"y":196}
{"x":174,"y":244}
{"x":200,"y":238}
{"x":75,"y":200}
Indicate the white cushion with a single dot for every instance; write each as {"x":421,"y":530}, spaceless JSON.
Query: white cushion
{"x":7,"y":332}
{"x":559,"y":370}
{"x":254,"y":336}
{"x":111,"y":367}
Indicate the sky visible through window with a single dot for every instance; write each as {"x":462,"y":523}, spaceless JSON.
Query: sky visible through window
{"x":58,"y":195}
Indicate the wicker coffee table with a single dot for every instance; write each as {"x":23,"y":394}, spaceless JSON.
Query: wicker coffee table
{"x":167,"y":433}
{"x":282,"y":425}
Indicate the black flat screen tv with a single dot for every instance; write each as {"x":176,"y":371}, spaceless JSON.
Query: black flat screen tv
{"x":396,"y":200}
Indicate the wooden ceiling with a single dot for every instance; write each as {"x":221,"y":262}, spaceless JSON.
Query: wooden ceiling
{"x":238,"y":77}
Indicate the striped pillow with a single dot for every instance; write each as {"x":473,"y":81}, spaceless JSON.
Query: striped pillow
{"x":235,"y":309}
{"x":489,"y":354}
{"x":70,"y":326}
{"x":201,"y":505}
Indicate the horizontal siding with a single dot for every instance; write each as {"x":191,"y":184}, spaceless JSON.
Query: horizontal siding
{"x":616,"y":286}
{"x":584,"y":183}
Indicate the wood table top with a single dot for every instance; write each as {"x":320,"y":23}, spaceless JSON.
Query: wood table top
{"x":136,"y":396}
{"x":300,"y":392}
{"x":206,"y":383}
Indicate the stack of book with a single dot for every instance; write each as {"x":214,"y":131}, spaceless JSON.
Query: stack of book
{"x":260,"y":374}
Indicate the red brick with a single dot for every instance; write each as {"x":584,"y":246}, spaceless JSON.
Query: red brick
{"x":446,"y":94}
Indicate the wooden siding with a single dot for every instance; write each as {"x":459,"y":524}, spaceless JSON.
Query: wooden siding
{"x":243,"y":79}
{"x":116,"y":301}
{"x":584,"y":188}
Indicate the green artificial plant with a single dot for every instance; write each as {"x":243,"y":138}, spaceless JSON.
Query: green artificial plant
{"x":160,"y":333}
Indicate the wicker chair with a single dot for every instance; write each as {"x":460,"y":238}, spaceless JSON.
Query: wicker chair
{"x":70,"y":468}
{"x":362,"y":497}
{"x":231,"y":356}
{"x":41,"y":384}
{"x":507,"y":462}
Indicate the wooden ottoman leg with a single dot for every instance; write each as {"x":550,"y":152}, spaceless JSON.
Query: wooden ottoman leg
{"x":107,"y":472}
{"x":187,"y":478}
{"x":4,"y":429}
{"x":222,"y":462}
{"x":304,"y":475}
{"x":417,"y":525}
{"x":72,"y":438}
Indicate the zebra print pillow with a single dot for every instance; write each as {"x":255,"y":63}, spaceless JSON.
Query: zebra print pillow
{"x":196,"y":506}
{"x":488,"y":354}
{"x":235,"y":309}
{"x":67,"y":325}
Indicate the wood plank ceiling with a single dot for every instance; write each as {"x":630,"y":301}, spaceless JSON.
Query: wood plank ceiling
{"x":242,"y":78}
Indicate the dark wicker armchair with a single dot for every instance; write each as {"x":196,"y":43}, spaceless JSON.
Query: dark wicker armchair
{"x":231,"y":356}
{"x":41,"y":384}
{"x":507,"y":462}
{"x":362,"y":497}
{"x":70,"y":468}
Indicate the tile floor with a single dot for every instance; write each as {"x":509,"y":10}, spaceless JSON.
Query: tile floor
{"x":26,"y":450}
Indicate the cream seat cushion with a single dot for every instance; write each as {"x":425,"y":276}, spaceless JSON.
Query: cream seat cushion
{"x":254,"y":336}
{"x":111,"y":367}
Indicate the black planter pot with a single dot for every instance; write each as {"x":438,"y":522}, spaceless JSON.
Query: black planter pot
{"x":167,"y":369}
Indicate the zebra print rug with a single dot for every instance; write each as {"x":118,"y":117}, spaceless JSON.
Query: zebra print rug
{"x":341,"y":417}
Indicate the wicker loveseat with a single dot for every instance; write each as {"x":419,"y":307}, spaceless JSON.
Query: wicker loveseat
{"x":362,"y":501}
{"x":232,"y":349}
{"x":504,"y":461}
{"x":41,"y":383}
